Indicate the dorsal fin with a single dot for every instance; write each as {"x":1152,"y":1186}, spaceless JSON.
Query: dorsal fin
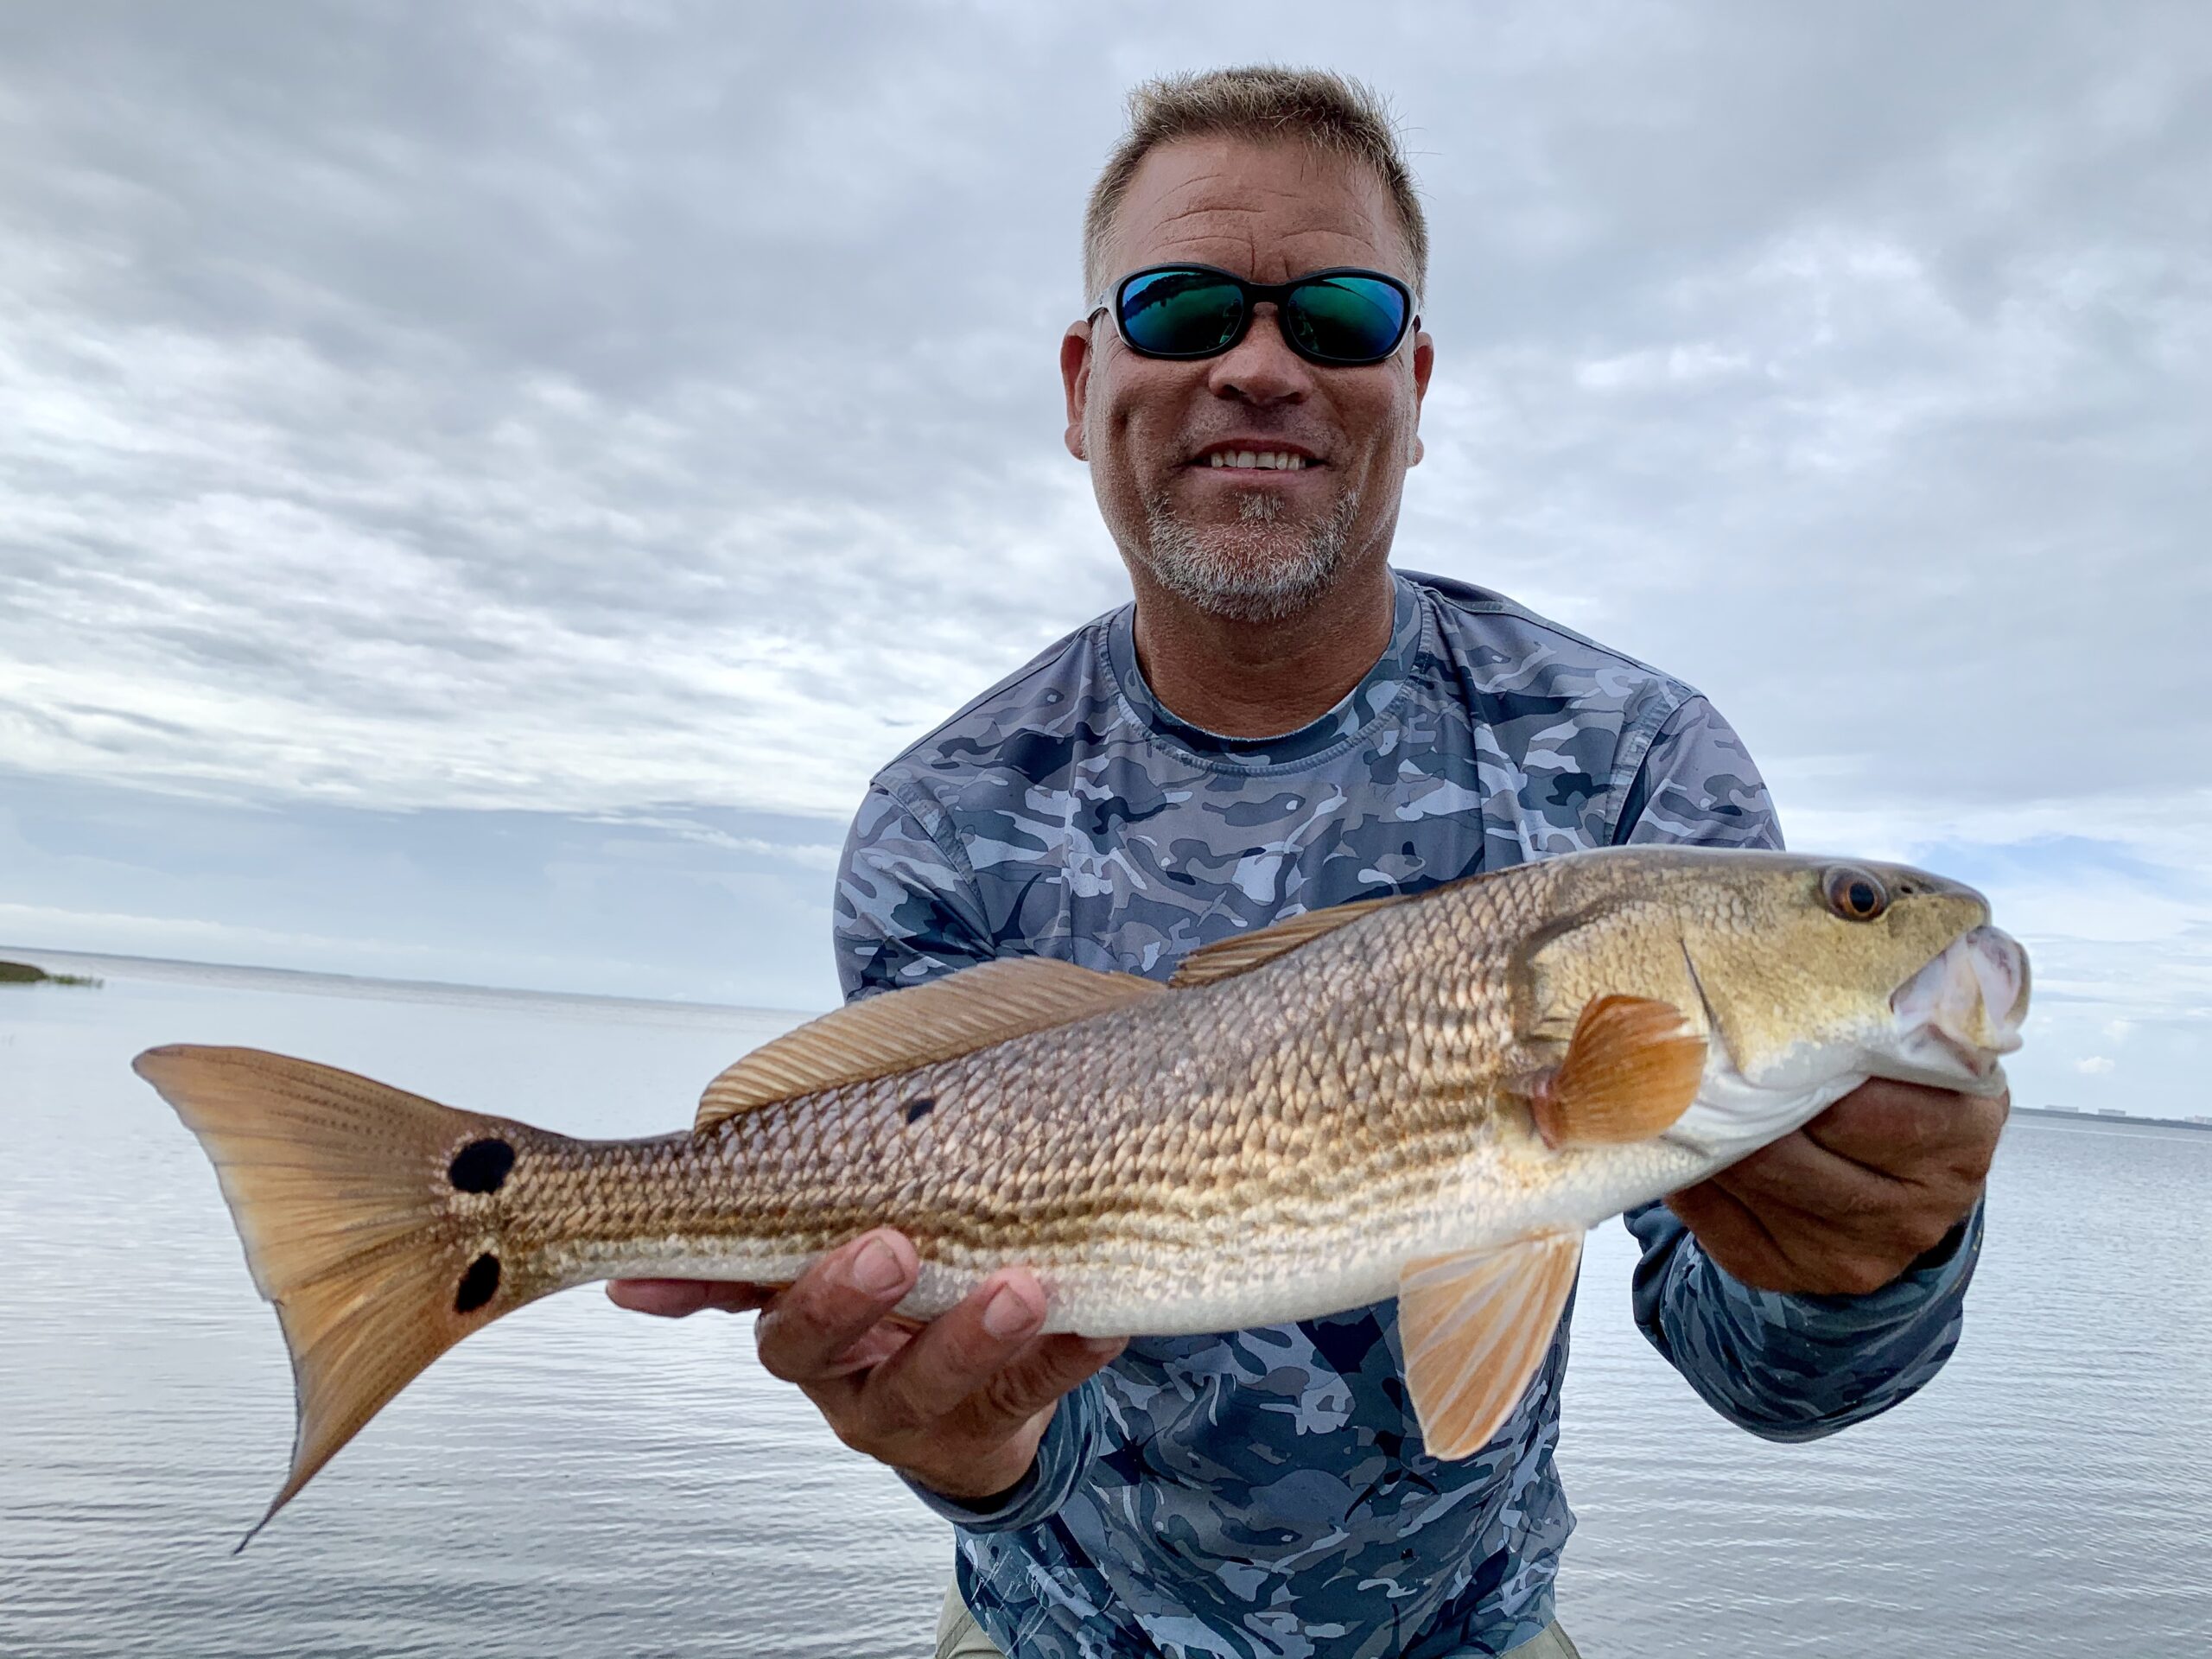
{"x":900,"y":1030}
{"x":1241,"y":955}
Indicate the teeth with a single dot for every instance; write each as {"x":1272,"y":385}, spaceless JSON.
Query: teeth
{"x":1276,"y":460}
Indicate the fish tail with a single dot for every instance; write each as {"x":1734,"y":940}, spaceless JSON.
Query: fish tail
{"x":368,"y":1219}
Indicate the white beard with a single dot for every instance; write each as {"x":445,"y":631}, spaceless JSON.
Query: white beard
{"x":1258,"y":570}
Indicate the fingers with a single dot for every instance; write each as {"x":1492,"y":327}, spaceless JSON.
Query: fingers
{"x":958,"y":1354}
{"x":814,"y":1331}
{"x":980,"y":1364}
{"x":959,"y":1403}
{"x":1732,"y":1233}
{"x":1040,"y":1376}
{"x":1906,"y":1130}
{"x":1814,"y":1203}
{"x":1796,"y":1217}
{"x":1799,"y":1175}
{"x":673,"y":1298}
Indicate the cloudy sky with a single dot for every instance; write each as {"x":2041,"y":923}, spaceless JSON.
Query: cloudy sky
{"x":481,"y":487}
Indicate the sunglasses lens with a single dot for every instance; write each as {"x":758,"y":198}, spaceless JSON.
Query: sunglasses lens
{"x":1179,"y":313}
{"x":1346,"y":319}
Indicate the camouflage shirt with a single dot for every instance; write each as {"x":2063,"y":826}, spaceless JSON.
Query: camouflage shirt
{"x":1266,"y":1492}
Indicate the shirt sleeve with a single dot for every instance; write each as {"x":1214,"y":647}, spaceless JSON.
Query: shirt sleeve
{"x":905,"y":915}
{"x":1070,"y":1440}
{"x":906,"y":910}
{"x":1785,"y":1367}
{"x":1697,"y":787}
{"x":1795,"y":1368}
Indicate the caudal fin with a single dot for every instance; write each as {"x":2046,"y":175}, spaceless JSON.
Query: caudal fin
{"x":369,"y":1218}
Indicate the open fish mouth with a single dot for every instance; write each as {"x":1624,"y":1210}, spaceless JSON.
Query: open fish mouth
{"x":1964,"y":1009}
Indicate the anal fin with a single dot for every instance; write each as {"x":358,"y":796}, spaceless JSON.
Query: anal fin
{"x":1475,"y":1326}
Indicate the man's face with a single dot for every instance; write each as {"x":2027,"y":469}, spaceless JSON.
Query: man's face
{"x":1251,"y":542}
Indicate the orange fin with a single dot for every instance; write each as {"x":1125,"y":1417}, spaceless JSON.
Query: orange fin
{"x":1633,"y":1067}
{"x":900,"y":1030}
{"x":1241,"y":955}
{"x":1475,"y":1327}
{"x":366,"y":1217}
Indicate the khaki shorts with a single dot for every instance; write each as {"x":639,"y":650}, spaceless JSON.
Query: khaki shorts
{"x":958,"y":1636}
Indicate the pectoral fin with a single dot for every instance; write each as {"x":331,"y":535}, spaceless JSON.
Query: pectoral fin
{"x":1475,"y":1327}
{"x":1633,"y":1067}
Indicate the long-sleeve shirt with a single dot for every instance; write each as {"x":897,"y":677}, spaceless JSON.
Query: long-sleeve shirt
{"x":1266,"y":1492}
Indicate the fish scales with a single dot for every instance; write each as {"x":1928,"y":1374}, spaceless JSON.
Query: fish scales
{"x":1428,"y":1097}
{"x":1315,"y":1106}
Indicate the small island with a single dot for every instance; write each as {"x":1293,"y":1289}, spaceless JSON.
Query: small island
{"x":21,"y":973}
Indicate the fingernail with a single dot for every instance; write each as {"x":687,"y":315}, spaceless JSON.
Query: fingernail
{"x":1009,"y":1315}
{"x":876,"y":1268}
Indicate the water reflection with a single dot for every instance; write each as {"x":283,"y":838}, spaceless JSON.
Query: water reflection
{"x":581,"y":1481}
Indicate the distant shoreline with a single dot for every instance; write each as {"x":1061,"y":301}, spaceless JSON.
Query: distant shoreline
{"x":23,"y":972}
{"x":123,"y":966}
{"x":12,"y":971}
{"x":2081,"y":1114}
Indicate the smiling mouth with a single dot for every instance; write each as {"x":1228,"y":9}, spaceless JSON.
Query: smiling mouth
{"x":1255,"y":459}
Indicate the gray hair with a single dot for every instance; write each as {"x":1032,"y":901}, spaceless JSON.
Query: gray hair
{"x":1267,"y":105}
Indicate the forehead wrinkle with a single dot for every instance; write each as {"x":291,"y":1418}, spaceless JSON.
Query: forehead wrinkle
{"x":1359,"y":221}
{"x":1242,"y":227}
{"x":1208,"y":208}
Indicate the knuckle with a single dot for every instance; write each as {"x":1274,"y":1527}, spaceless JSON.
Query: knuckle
{"x":780,"y":1346}
{"x":768,"y":1342}
{"x":893,"y":1413}
{"x":1926,"y":1232}
{"x":1862,"y":1277}
{"x":1013,"y":1395}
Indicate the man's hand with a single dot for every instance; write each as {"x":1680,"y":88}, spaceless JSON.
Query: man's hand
{"x":1849,"y":1202}
{"x":958,"y":1404}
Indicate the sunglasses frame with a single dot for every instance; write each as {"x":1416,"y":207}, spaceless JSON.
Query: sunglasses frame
{"x":1253,"y":294}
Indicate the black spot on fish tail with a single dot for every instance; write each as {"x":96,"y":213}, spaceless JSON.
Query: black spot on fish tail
{"x":919,"y":1108}
{"x":481,"y":1166}
{"x":479,"y":1285}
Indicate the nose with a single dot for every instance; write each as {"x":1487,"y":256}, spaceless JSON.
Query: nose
{"x":1261,"y":368}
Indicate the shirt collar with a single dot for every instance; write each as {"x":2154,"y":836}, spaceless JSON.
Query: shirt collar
{"x":1360,"y":707}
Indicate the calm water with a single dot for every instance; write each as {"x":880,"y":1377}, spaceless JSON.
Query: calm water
{"x":581,"y":1481}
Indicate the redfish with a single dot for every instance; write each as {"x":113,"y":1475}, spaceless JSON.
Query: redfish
{"x":1431,"y":1097}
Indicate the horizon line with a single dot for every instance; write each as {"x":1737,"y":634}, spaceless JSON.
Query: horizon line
{"x":392,"y":980}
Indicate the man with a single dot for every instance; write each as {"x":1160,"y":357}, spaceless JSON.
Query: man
{"x":1279,"y":723}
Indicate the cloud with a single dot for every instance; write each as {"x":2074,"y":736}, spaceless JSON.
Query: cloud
{"x":696,"y":904}
{"x":2096,"y":1065}
{"x":649,"y":415}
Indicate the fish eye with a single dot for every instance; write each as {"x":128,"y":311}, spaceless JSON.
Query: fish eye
{"x":1856,"y":895}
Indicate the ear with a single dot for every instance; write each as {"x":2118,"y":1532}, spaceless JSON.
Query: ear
{"x":1424,"y":366}
{"x":1075,"y":379}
